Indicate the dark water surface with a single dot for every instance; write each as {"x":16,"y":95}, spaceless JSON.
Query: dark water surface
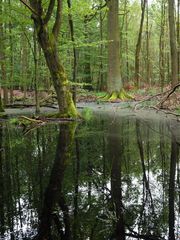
{"x":109,"y":178}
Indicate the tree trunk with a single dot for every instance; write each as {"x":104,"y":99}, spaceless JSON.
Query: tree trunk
{"x":138,"y":45}
{"x":173,"y":45}
{"x":36,"y":74}
{"x":2,"y":59}
{"x":162,"y":46}
{"x":59,"y":78}
{"x":48,"y":39}
{"x":148,"y":78}
{"x":114,"y":81}
{"x":71,"y":26}
{"x":126,"y":42}
{"x":11,"y":57}
{"x":87,"y":57}
{"x":178,"y":38}
{"x":101,"y":86}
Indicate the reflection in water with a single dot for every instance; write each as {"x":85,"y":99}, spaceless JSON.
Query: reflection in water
{"x":172,"y":174}
{"x":116,"y":155}
{"x":54,"y":193}
{"x":115,"y":179}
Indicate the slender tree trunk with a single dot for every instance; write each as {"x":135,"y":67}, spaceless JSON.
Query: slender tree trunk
{"x":36,"y":74}
{"x":138,"y":45}
{"x":101,"y":86}
{"x":126,"y":43}
{"x":2,"y":58}
{"x":148,"y":78}
{"x":87,"y":56}
{"x":162,"y":46}
{"x":11,"y":57}
{"x":71,"y":26}
{"x":173,"y":45}
{"x":24,"y":63}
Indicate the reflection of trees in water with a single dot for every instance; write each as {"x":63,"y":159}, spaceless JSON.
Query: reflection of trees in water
{"x":116,"y":157}
{"x":2,"y":220}
{"x":172,"y":187}
{"x":129,"y":156}
{"x":54,"y":193}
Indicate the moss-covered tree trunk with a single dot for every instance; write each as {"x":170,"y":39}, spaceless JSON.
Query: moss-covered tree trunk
{"x":58,"y":75}
{"x":48,"y":39}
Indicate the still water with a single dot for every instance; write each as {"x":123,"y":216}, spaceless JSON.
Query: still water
{"x":108,"y":178}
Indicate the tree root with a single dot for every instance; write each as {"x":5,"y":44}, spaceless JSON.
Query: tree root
{"x":121,"y":95}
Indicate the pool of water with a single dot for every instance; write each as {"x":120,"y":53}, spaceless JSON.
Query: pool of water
{"x":107,"y":178}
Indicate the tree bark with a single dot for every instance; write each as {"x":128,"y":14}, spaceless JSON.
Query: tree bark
{"x":138,"y":45}
{"x":2,"y":59}
{"x":173,"y":45}
{"x":178,"y":38}
{"x":162,"y":46}
{"x":114,"y":81}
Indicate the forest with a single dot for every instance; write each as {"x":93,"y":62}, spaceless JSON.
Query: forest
{"x":106,"y":48}
{"x":89,"y":120}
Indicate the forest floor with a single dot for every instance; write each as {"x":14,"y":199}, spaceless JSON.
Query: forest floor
{"x":144,"y":100}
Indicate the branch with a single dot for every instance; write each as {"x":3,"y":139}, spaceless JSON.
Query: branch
{"x":57,"y":23}
{"x":29,"y":7}
{"x":89,"y":17}
{"x":49,"y":11}
{"x":170,"y":93}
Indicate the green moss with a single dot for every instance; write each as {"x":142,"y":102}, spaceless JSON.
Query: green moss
{"x":105,"y":97}
{"x":113,"y":96}
{"x":122,"y":95}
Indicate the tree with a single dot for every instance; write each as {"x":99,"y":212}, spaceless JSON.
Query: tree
{"x":173,"y":45}
{"x":48,"y":41}
{"x":114,"y":81}
{"x":138,"y":45}
{"x":3,"y":58}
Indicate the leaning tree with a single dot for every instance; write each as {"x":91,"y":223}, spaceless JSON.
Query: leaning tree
{"x":48,"y":38}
